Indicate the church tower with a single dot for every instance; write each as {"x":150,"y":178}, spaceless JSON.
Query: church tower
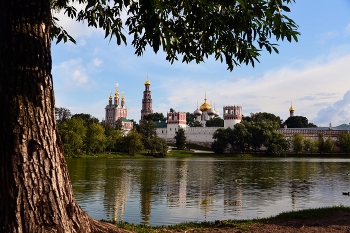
{"x":117,"y":111}
{"x":291,"y":110}
{"x":232,"y":116}
{"x":147,"y":100}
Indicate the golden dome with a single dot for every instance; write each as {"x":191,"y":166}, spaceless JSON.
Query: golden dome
{"x":147,"y":82}
{"x":116,"y":95}
{"x":205,"y":107}
{"x":291,"y":108}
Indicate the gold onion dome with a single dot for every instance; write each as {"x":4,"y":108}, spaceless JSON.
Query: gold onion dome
{"x":205,"y":107}
{"x":291,"y":108}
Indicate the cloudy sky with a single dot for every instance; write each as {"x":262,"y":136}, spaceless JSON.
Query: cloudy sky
{"x":312,"y":74}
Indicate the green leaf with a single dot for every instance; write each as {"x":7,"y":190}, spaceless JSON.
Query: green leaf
{"x":285,"y":8}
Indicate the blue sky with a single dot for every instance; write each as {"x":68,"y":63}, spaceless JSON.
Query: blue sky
{"x":313,"y":74}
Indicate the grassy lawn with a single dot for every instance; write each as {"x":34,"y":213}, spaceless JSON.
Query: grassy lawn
{"x":242,"y":224}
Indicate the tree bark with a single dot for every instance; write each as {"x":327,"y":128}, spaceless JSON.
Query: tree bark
{"x":35,"y":191}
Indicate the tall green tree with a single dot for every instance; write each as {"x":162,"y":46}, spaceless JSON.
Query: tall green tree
{"x":329,"y":145}
{"x":191,"y":120}
{"x":156,"y":116}
{"x":159,"y":147}
{"x":234,"y":32}
{"x":343,"y":142}
{"x":86,"y":117}
{"x":73,"y":132}
{"x":180,"y":139}
{"x":321,"y":144}
{"x":253,"y":133}
{"x":260,"y":116}
{"x":117,"y":139}
{"x":310,"y":145}
{"x":298,"y":122}
{"x":239,"y":138}
{"x":215,"y":122}
{"x":62,"y":114}
{"x":276,"y":144}
{"x":147,"y":130}
{"x":132,"y":142}
{"x":95,"y":140}
{"x":221,"y":140}
{"x":298,"y":143}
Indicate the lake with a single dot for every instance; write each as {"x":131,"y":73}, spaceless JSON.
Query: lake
{"x":167,"y":191}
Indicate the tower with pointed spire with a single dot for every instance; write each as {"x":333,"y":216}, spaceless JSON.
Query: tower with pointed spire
{"x":291,"y":110}
{"x":146,"y":100}
{"x":117,"y":111}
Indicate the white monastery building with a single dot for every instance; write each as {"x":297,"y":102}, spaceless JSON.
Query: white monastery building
{"x":175,"y":120}
{"x":231,"y":115}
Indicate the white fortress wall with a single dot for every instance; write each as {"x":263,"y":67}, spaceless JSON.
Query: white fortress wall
{"x":162,"y":133}
{"x":200,"y":134}
{"x":231,"y":123}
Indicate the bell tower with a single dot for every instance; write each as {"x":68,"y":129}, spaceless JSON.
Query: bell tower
{"x":146,"y":100}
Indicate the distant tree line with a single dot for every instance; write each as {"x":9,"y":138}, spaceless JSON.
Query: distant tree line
{"x":84,"y":134}
{"x":253,"y":133}
{"x":257,"y":134}
{"x":301,"y":144}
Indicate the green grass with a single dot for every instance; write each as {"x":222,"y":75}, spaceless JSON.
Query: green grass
{"x":242,"y":224}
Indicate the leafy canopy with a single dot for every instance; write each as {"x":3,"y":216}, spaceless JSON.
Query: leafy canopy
{"x":234,"y":31}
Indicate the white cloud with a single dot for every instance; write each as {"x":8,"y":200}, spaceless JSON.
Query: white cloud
{"x":347,"y":29}
{"x":97,"y":62}
{"x":324,"y":37}
{"x":79,"y":77}
{"x":337,"y":113}
{"x":70,"y":74}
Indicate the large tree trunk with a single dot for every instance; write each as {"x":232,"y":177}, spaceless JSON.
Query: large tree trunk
{"x":35,"y":191}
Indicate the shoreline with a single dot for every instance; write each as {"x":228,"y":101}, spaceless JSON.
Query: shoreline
{"x":326,"y":219}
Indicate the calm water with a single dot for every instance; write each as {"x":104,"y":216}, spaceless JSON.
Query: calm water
{"x":172,"y":190}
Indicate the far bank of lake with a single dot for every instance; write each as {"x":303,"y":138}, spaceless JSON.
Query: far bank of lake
{"x":162,"y":191}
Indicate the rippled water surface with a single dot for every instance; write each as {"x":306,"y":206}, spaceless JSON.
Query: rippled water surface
{"x":172,"y":190}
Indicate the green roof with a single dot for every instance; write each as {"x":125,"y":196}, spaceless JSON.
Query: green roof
{"x":125,"y":120}
{"x":160,"y":124}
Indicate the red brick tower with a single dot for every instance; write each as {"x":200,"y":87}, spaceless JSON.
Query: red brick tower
{"x":147,"y":100}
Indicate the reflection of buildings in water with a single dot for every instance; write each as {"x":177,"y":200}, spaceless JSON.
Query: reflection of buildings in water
{"x":294,"y":200}
{"x":146,"y":204}
{"x":117,"y":191}
{"x":206,"y":203}
{"x":300,"y":189}
{"x":182,"y":185}
{"x":190,"y":184}
{"x":120,"y":199}
{"x":206,"y":184}
{"x":148,"y":177}
{"x":233,"y":197}
{"x":176,"y":180}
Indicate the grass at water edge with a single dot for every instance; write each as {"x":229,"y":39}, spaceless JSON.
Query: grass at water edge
{"x":242,"y":224}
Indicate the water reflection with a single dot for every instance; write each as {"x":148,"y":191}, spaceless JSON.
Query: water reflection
{"x":168,"y":191}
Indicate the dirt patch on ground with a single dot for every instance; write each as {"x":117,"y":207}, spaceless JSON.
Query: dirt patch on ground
{"x":336,"y":222}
